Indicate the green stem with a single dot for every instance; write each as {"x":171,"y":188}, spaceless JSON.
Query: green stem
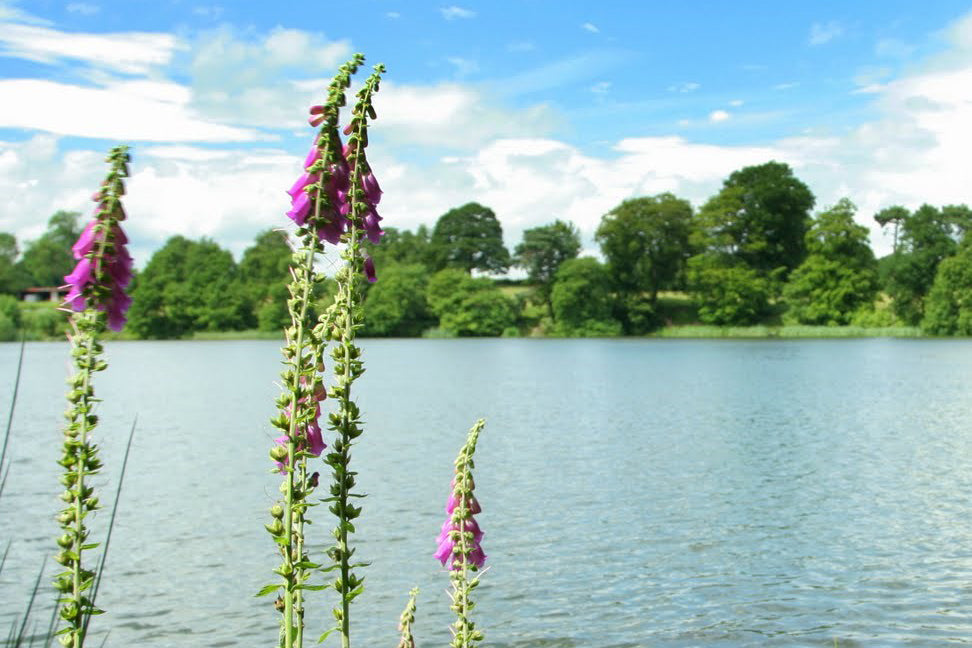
{"x":77,"y":579}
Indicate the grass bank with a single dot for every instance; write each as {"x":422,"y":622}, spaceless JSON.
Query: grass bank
{"x":794,"y":331}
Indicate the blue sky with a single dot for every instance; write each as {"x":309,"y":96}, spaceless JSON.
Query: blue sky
{"x":538,"y":109}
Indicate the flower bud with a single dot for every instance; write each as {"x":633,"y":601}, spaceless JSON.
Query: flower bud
{"x":277,"y":511}
{"x":278,"y":453}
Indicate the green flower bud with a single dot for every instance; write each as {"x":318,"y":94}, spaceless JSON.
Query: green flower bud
{"x":277,"y":511}
{"x":278,"y":453}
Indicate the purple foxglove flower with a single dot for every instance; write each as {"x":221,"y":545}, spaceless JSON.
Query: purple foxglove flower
{"x":369,"y":269}
{"x":300,"y":209}
{"x":85,"y":241}
{"x":371,"y":189}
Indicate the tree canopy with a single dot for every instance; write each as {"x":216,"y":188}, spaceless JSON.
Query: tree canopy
{"x":542,"y":252}
{"x":760,"y":216}
{"x":471,"y":238}
{"x":839,"y":275}
{"x":646,"y":243}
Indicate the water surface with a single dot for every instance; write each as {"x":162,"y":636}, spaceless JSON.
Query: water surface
{"x":669,"y":493}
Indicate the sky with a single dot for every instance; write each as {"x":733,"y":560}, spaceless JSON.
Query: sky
{"x":537,"y":109}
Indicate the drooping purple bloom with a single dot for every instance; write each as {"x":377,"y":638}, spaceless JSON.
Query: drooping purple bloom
{"x":309,"y":436}
{"x":104,"y":267}
{"x":460,"y":520}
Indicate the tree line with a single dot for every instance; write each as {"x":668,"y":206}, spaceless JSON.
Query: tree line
{"x":753,"y":253}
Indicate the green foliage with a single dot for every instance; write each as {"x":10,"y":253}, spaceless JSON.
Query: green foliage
{"x":760,"y":217}
{"x":8,"y":260}
{"x":542,"y":251}
{"x":469,"y":307}
{"x":48,"y":259}
{"x":188,"y":286}
{"x":582,"y":302}
{"x":264,"y":272}
{"x":927,"y":237}
{"x":402,"y":247}
{"x":840,"y":274}
{"x":646,"y":243}
{"x":396,"y":305}
{"x":874,"y":316}
{"x":949,"y":305}
{"x":728,"y":293}
{"x":470,"y":237}
{"x":9,"y":318}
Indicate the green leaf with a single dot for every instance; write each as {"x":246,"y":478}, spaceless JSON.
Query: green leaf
{"x":267,"y":589}
{"x":326,"y":634}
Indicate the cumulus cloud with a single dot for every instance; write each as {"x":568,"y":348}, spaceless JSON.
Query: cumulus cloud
{"x":591,"y":27}
{"x":684,"y":87}
{"x":717,"y":116}
{"x":453,"y":12}
{"x":131,"y":110}
{"x":452,"y":115}
{"x":125,"y":52}
{"x":821,"y":33}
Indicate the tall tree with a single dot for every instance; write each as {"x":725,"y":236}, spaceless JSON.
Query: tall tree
{"x":927,"y":237}
{"x":188,"y":286}
{"x":760,"y":216}
{"x":396,"y":305}
{"x":646,"y":243}
{"x":582,"y":300}
{"x":47,"y":259}
{"x":8,"y":259}
{"x":542,"y":251}
{"x":402,"y":247}
{"x":839,"y":275}
{"x":264,"y":270}
{"x":470,"y":237}
{"x":948,"y":309}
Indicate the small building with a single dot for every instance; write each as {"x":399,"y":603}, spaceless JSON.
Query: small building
{"x":44,"y":293}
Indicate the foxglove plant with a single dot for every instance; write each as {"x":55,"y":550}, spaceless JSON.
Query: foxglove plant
{"x":339,"y":324}
{"x":96,"y":298}
{"x":460,"y":543}
{"x":330,"y":203}
{"x":407,"y":640}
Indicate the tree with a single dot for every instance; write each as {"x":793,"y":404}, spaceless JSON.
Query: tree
{"x":927,"y":237}
{"x":469,"y":307}
{"x":47,"y":259}
{"x":839,"y":275}
{"x":470,"y":237}
{"x":892,"y":215}
{"x":264,"y":271}
{"x":761,"y":217}
{"x":396,"y":305}
{"x":8,"y":260}
{"x":402,"y":247}
{"x":582,"y":301}
{"x":646,"y":243}
{"x":728,"y":292}
{"x":949,"y":306}
{"x":187,"y":286}
{"x":542,"y":251}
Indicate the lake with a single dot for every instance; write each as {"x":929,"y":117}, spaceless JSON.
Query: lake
{"x":665,"y":493}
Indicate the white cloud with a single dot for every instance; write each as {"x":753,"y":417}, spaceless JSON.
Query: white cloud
{"x":786,"y":86}
{"x":591,"y":27}
{"x":126,"y":52}
{"x":452,"y":115}
{"x":601,"y":87}
{"x":893,"y":48}
{"x":684,"y":87}
{"x":133,"y":111}
{"x":735,"y":103}
{"x":521,"y":46}
{"x":83,"y":8}
{"x":252,"y":81}
{"x":718,"y":116}
{"x":464,"y":67}
{"x":821,"y":33}
{"x":453,"y":12}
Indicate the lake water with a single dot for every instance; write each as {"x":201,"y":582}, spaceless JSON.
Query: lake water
{"x":665,"y":493}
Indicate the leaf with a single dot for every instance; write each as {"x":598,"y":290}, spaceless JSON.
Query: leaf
{"x":326,"y":635}
{"x":267,"y":589}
